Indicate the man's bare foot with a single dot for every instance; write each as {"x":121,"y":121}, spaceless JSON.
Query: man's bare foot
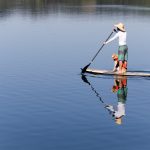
{"x":120,"y":72}
{"x":124,"y":70}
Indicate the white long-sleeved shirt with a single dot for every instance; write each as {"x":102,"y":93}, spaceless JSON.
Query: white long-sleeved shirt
{"x":121,"y":37}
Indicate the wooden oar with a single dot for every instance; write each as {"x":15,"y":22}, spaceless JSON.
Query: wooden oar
{"x":84,"y":69}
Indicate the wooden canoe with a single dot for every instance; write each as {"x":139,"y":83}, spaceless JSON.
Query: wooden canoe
{"x":110,"y":72}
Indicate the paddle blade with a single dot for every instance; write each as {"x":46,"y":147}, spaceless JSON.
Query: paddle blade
{"x":84,"y":69}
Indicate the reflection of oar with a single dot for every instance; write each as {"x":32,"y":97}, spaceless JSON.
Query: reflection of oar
{"x":83,"y":77}
{"x":110,"y":110}
{"x":84,"y":69}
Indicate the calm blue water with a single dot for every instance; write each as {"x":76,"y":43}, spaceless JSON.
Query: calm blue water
{"x":44,"y":103}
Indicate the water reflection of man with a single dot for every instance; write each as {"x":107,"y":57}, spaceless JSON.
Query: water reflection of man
{"x":120,"y":86}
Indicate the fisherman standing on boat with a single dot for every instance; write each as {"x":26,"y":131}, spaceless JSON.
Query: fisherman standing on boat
{"x":123,"y":49}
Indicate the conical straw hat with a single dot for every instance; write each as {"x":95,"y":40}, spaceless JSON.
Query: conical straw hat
{"x":120,"y":26}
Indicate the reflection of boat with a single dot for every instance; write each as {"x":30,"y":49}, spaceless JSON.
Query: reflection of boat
{"x":110,"y":72}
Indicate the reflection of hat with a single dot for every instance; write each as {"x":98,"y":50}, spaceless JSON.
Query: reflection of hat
{"x":120,"y":26}
{"x":118,"y":121}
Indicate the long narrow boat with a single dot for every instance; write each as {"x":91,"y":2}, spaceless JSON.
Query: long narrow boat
{"x":110,"y":72}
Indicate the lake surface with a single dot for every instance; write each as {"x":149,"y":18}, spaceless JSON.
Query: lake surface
{"x":44,"y":101}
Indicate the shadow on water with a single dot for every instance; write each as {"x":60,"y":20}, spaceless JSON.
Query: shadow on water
{"x":120,"y":89}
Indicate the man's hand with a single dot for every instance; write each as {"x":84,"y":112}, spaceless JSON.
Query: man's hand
{"x":115,"y":30}
{"x":104,"y":43}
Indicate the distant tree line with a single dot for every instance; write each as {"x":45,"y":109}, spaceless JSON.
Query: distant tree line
{"x":45,"y":6}
{"x":40,"y":3}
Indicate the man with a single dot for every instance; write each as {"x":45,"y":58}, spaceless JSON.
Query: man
{"x":123,"y":49}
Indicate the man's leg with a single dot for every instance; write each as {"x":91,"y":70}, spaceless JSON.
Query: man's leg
{"x":124,"y":66}
{"x":120,"y":66}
